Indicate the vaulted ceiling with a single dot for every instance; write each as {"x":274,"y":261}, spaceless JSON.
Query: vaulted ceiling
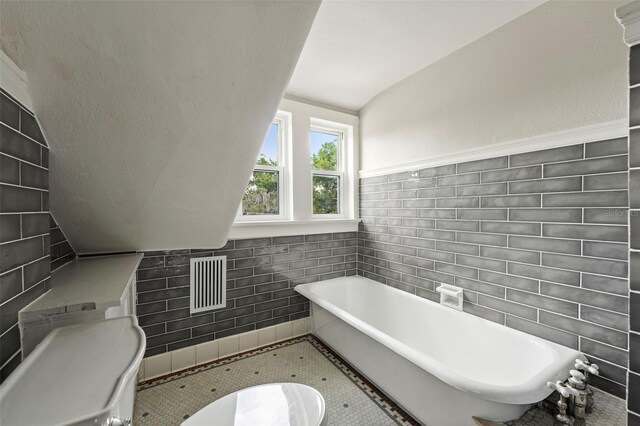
{"x":154,"y":111}
{"x":356,"y":49}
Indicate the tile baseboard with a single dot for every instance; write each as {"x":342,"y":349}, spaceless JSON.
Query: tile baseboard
{"x":185,"y":358}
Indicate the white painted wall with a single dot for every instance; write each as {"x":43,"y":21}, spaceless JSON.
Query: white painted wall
{"x":154,"y":111}
{"x":363,"y":47}
{"x":561,"y":66}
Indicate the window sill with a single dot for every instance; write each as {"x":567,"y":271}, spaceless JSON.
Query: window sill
{"x":281,"y":228}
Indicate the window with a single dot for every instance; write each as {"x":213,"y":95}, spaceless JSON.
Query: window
{"x":305,"y":178}
{"x":327,"y":171}
{"x":264,"y":196}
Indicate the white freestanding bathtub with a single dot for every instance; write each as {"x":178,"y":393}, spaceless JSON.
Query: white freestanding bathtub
{"x":441,"y":365}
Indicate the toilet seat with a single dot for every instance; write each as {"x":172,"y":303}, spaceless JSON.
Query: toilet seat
{"x":274,"y":404}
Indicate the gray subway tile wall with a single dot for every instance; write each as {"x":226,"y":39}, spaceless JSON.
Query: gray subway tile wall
{"x":61,"y":250}
{"x":633,"y":397}
{"x":539,"y":241}
{"x":24,"y":218}
{"x":261,"y":275}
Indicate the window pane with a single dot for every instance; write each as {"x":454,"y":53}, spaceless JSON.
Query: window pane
{"x":325,"y":194}
{"x":269,"y":151}
{"x":261,"y":196}
{"x":324,"y":150}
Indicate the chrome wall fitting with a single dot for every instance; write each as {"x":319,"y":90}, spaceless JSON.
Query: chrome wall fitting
{"x":578,"y":403}
{"x":587,"y":368}
{"x":562,"y":418}
{"x":114,"y":421}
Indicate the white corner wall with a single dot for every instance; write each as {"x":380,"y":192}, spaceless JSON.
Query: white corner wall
{"x":154,"y":111}
{"x":561,"y":66}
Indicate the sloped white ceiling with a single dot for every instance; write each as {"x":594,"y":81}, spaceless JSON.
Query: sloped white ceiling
{"x":357,"y":49}
{"x":154,"y":111}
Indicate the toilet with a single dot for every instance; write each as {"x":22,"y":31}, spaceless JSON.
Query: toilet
{"x":274,"y":404}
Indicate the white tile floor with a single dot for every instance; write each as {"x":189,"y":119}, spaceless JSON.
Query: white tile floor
{"x":350,"y":400}
{"x":173,"y":399}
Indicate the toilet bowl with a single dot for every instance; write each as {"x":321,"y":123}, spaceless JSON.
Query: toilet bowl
{"x":274,"y":404}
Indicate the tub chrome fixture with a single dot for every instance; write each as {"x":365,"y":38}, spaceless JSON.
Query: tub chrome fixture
{"x":450,"y":296}
{"x":578,"y":403}
{"x":587,"y":368}
{"x":565,"y":392}
{"x":114,"y":421}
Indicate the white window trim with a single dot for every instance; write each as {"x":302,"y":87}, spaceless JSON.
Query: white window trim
{"x":347,"y":196}
{"x":299,"y":218}
{"x":320,"y":126}
{"x":283,"y":120}
{"x":256,"y":229}
{"x":329,"y":173}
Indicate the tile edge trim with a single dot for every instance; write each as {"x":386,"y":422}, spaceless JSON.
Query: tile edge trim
{"x":592,"y":133}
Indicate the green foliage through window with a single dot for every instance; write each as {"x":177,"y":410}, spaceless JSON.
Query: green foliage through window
{"x":326,"y":187}
{"x":326,"y":158}
{"x":261,"y":196}
{"x":325,"y":194}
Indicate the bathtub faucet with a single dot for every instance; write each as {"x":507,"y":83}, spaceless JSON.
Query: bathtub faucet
{"x":578,"y":403}
{"x":588,"y":368}
{"x":565,"y":392}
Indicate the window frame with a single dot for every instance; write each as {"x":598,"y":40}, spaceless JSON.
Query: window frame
{"x":297,"y":176}
{"x":323,"y":126}
{"x":283,"y":120}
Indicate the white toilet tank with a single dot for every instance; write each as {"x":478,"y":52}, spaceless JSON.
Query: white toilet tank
{"x":78,"y":375}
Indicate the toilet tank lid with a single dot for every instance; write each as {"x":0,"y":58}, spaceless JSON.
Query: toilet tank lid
{"x":77,"y":374}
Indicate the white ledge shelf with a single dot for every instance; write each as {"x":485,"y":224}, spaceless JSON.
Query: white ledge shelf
{"x":86,"y":284}
{"x":281,"y":228}
{"x":84,"y":290}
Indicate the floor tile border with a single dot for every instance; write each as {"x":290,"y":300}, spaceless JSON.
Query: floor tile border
{"x":218,"y":362}
{"x":392,"y":409}
{"x":395,"y":412}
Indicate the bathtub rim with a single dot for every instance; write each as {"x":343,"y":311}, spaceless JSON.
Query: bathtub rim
{"x":527,"y":392}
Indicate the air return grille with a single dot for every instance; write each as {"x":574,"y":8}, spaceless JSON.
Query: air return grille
{"x":208,"y":283}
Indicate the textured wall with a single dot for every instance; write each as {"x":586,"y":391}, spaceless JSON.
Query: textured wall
{"x":560,"y":66}
{"x":24,"y":219}
{"x":261,"y":274}
{"x":203,"y":81}
{"x":634,"y":223}
{"x":537,"y":240}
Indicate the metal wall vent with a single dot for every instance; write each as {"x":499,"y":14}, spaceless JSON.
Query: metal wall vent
{"x":208,"y":283}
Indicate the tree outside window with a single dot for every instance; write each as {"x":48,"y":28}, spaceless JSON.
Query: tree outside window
{"x":326,"y":175}
{"x":262,"y":196}
{"x":268,"y":196}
